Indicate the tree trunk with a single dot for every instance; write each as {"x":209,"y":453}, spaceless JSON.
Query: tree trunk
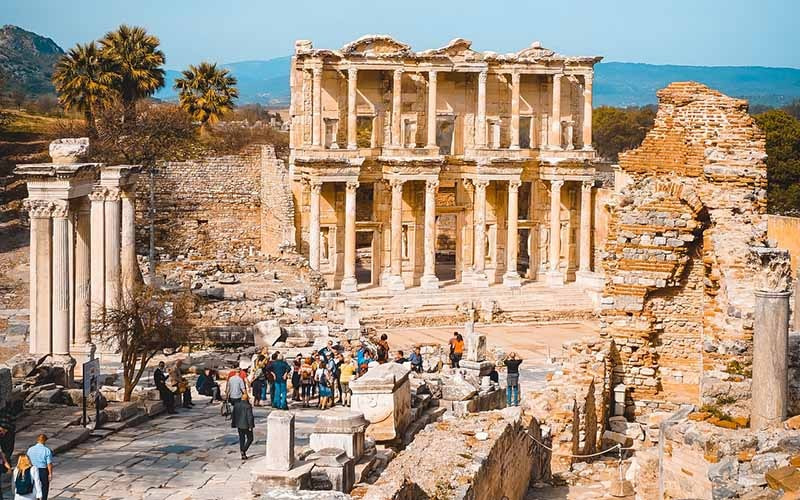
{"x":129,"y":111}
{"x":91,"y":125}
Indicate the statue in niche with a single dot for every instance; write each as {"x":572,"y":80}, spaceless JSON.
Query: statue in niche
{"x":405,"y":242}
{"x":323,"y":244}
{"x":565,"y":239}
{"x":544,"y":244}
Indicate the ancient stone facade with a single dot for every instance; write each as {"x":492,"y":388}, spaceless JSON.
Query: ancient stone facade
{"x":679,"y":298}
{"x":412,"y":168}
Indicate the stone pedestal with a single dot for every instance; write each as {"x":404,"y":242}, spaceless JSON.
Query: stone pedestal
{"x":279,"y":468}
{"x":383,"y":395}
{"x":336,"y":466}
{"x":475,"y":344}
{"x":770,"y":359}
{"x":340,"y":428}
{"x":352,"y":319}
{"x":554,"y":278}
{"x":476,"y":369}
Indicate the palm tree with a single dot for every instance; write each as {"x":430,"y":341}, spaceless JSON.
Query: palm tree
{"x":206,"y":92}
{"x":137,"y":60}
{"x":84,"y":82}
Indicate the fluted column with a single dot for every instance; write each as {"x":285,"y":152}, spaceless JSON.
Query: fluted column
{"x":349,"y":283}
{"x":61,"y":278}
{"x":555,"y":276}
{"x":316,"y":108}
{"x":352,"y":86}
{"x":586,"y":227}
{"x":40,"y":212}
{"x":129,"y":264}
{"x":98,"y":251}
{"x":397,"y":100}
{"x":480,"y":120}
{"x":83,"y":317}
{"x":587,"y":112}
{"x":429,"y":279}
{"x":554,"y":141}
{"x":431,"y":109}
{"x":511,"y":277}
{"x":515,"y":111}
{"x":113,"y":238}
{"x":313,"y":226}
{"x":396,"y":278}
{"x":479,"y":278}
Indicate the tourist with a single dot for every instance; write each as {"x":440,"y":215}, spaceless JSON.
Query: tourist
{"x":512,"y":379}
{"x":236,"y":387}
{"x":243,"y":420}
{"x":323,"y":378}
{"x":167,"y":396}
{"x":207,"y":385}
{"x":25,"y":480}
{"x":494,"y":377}
{"x":41,"y":458}
{"x":180,"y":384}
{"x":315,"y":366}
{"x":416,"y":360}
{"x":361,"y":353}
{"x":306,"y":380}
{"x":456,"y":349}
{"x":259,"y":383}
{"x":383,"y":349}
{"x":327,"y":352}
{"x":347,"y":371}
{"x":280,"y":370}
{"x":333,"y":366}
{"x":296,"y":364}
{"x":399,"y":358}
{"x":6,"y":468}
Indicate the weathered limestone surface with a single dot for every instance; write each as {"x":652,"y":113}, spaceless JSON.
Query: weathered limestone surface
{"x":383,"y":395}
{"x":678,"y":300}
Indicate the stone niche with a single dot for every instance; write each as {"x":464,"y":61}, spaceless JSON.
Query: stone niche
{"x":383,"y":395}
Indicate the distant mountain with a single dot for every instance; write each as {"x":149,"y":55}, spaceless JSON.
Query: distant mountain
{"x":27,"y":60}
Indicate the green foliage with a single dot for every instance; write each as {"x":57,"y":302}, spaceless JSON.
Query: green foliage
{"x":619,"y":129}
{"x":783,"y":160}
{"x":716,"y":411}
{"x":736,"y":368}
{"x":206,"y":92}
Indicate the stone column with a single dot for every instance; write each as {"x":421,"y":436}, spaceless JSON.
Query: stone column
{"x":797,"y":302}
{"x":316,"y":107}
{"x":770,"y":338}
{"x":396,"y":278}
{"x":61,"y":279}
{"x":112,"y":236}
{"x":397,"y":101}
{"x":98,"y":246}
{"x":586,"y":227}
{"x":479,"y":278}
{"x":429,"y":279}
{"x":313,"y":226}
{"x":349,"y":283}
{"x":480,"y":120}
{"x":431,"y":109}
{"x":515,"y":111}
{"x":511,"y":278}
{"x":555,"y":277}
{"x":83,"y":314}
{"x":554,"y":142}
{"x":352,"y":122}
{"x":587,"y":112}
{"x":129,"y":264}
{"x":40,"y":212}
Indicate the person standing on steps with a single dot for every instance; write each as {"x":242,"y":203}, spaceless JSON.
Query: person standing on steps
{"x":41,"y":458}
{"x":512,"y":379}
{"x":244,"y":422}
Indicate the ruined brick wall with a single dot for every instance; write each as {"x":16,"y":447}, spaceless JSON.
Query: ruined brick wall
{"x":277,"y":205}
{"x":679,"y":292}
{"x":205,"y":207}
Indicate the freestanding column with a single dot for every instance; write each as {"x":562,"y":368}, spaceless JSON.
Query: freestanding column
{"x":511,"y":277}
{"x":61,"y":278}
{"x":770,"y":339}
{"x":554,"y":141}
{"x":586,"y":227}
{"x":479,"y":278}
{"x":429,"y":279}
{"x":83,"y":317}
{"x":98,"y":251}
{"x":313,"y":227}
{"x":587,"y":112}
{"x":515,"y":111}
{"x":349,"y":283}
{"x":316,"y":108}
{"x":352,"y":85}
{"x":431,"y":109}
{"x":113,"y":237}
{"x":397,"y":100}
{"x":40,"y":286}
{"x":129,"y":264}
{"x":480,"y":120}
{"x":396,"y":278}
{"x":555,"y":277}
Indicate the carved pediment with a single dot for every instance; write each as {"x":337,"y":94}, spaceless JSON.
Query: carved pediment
{"x":376,"y":45}
{"x":458,"y":48}
{"x":535,"y":51}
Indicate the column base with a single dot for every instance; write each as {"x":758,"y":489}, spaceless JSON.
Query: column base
{"x":588,"y":148}
{"x":352,"y":146}
{"x":349,"y":285}
{"x":479,"y":280}
{"x":429,"y":282}
{"x":81,"y":353}
{"x":512,"y":280}
{"x":514,"y":146}
{"x":588,"y":279}
{"x":396,"y":283}
{"x":555,"y":278}
{"x":64,"y":366}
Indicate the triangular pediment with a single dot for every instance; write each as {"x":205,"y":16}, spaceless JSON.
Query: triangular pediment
{"x":535,"y":51}
{"x":376,"y":45}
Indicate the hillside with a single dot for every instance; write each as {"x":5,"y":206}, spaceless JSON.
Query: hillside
{"x":27,"y":60}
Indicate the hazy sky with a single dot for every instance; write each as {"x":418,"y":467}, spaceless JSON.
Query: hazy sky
{"x":697,"y":32}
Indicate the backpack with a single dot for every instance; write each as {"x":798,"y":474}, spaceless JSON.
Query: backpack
{"x":24,"y":483}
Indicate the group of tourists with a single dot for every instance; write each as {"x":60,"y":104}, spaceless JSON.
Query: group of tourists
{"x":30,"y":478}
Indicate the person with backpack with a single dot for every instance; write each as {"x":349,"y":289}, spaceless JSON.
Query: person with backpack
{"x":306,"y":380}
{"x":25,"y":480}
{"x":296,"y":364}
{"x":323,"y":378}
{"x":41,"y":458}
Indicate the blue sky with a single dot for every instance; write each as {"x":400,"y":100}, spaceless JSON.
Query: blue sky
{"x":695,"y":32}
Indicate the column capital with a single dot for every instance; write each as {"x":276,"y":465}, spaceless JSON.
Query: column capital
{"x":127,"y":194}
{"x":352,"y":72}
{"x":432,"y":73}
{"x":396,"y":183}
{"x":515,"y":76}
{"x":556,"y":183}
{"x":352,"y":185}
{"x":587,"y":79}
{"x":587,"y":185}
{"x":113,"y":194}
{"x":98,"y":194}
{"x":317,"y":71}
{"x":431,"y":184}
{"x":315,"y":186}
{"x":38,"y":209}
{"x":398,"y":72}
{"x":557,"y":77}
{"x":61,"y":209}
{"x":481,"y":184}
{"x":482,"y":76}
{"x":513,"y":185}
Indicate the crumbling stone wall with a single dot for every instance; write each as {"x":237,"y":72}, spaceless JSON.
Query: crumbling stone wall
{"x":678,"y":299}
{"x":277,"y":205}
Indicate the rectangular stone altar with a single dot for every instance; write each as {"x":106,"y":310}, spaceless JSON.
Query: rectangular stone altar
{"x":383,"y":395}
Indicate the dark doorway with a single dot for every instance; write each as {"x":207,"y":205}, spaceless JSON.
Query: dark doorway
{"x":523,"y":256}
{"x":364,"y":258}
{"x":446,"y":227}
